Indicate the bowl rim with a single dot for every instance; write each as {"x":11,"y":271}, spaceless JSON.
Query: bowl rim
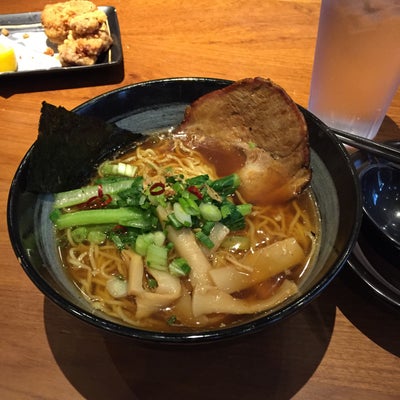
{"x":187,"y":337}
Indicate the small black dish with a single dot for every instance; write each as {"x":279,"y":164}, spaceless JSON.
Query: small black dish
{"x":380,"y":189}
{"x":108,"y":69}
{"x":376,"y":257}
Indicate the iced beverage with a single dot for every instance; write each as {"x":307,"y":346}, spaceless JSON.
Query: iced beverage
{"x":357,"y":63}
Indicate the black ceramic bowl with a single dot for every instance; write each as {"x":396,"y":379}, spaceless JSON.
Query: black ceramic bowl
{"x":159,"y":104}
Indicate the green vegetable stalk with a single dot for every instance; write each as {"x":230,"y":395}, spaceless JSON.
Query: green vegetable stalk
{"x":81,"y":195}
{"x":132,"y":217}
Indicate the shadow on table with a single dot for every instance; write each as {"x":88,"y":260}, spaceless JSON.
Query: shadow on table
{"x":275,"y":363}
{"x":67,"y":79}
{"x":389,"y":130}
{"x":376,"y":319}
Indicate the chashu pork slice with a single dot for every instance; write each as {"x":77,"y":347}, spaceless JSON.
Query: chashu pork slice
{"x":256,"y":120}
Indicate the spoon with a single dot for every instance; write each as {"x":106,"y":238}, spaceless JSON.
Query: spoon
{"x":385,"y":151}
{"x":380,"y":185}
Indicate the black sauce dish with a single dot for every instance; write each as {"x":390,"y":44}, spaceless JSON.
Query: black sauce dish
{"x":380,"y":188}
{"x":153,"y":105}
{"x":376,"y":256}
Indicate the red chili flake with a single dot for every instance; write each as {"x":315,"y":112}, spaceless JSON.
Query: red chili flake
{"x":97,"y":202}
{"x":196,"y":191}
{"x":107,"y":199}
{"x":100,"y":190}
{"x":157,"y":188}
{"x":120,"y":229}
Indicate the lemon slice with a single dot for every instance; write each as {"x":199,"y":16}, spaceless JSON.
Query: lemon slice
{"x":8,"y":61}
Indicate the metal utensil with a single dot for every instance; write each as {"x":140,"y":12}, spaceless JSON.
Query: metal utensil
{"x":385,"y":151}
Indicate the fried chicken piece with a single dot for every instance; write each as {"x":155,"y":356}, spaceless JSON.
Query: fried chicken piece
{"x":88,"y":23}
{"x":79,"y":29}
{"x":56,"y":18}
{"x":83,"y":50}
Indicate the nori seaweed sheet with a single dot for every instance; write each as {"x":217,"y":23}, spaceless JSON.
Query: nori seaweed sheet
{"x":69,"y":147}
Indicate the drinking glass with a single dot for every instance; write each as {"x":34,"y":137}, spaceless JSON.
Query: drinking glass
{"x":357,"y":64}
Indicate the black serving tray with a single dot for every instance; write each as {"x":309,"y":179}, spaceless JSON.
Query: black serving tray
{"x":26,"y":34}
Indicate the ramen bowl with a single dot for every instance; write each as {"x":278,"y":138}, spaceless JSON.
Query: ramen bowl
{"x":160,"y":104}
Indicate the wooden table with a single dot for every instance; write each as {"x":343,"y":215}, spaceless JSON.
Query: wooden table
{"x":345,"y":345}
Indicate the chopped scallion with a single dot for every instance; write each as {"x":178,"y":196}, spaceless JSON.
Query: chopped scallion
{"x":96,"y":237}
{"x":179,"y":267}
{"x":174,"y":221}
{"x":189,"y":205}
{"x":172,"y":320}
{"x":143,"y":242}
{"x":109,"y":168}
{"x":210,"y":212}
{"x":204,"y":239}
{"x":159,"y":238}
{"x":117,"y":287}
{"x":157,"y":257}
{"x":152,"y":283}
{"x":226,"y":185}
{"x":198,"y":180}
{"x":183,"y":217}
{"x":79,"y":234}
{"x":244,"y":209}
{"x":207,"y":227}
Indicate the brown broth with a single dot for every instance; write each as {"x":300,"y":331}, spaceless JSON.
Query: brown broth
{"x":161,"y":321}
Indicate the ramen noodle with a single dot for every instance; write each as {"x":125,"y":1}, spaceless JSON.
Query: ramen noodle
{"x":224,"y":273}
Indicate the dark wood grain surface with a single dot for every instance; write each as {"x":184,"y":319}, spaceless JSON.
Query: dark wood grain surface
{"x":344,"y":345}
